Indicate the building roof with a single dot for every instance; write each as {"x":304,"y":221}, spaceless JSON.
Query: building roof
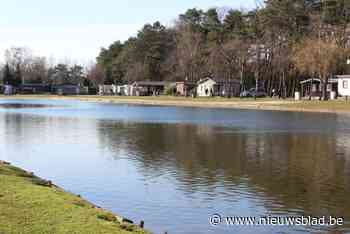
{"x":186,"y":82}
{"x":317,"y":80}
{"x":34,"y":85}
{"x":310,"y":80}
{"x":201,"y":81}
{"x":65,"y":86}
{"x":150,"y":83}
{"x":343,"y":76}
{"x":218,"y":81}
{"x":104,"y":85}
{"x":123,"y":86}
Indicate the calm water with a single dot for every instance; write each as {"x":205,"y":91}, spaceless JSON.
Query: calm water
{"x":174,"y":167}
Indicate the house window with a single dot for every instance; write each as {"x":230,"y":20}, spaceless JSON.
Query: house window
{"x":345,"y":84}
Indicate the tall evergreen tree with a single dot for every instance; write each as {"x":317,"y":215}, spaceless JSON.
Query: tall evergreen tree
{"x":7,"y":76}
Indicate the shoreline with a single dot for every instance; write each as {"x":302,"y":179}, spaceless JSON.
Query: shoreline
{"x":55,"y":208}
{"x":268,"y":104}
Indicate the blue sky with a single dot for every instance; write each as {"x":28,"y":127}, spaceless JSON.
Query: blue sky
{"x":76,"y":29}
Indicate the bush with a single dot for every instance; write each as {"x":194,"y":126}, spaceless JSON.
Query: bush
{"x":107,"y":217}
{"x":169,"y":90}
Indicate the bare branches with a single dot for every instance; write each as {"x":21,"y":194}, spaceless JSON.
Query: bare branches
{"x":316,"y":56}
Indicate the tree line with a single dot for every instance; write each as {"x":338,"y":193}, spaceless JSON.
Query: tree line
{"x":273,"y":46}
{"x":22,"y":67}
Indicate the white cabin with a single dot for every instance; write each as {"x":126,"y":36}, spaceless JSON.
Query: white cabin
{"x":107,"y":89}
{"x":206,"y":87}
{"x":124,"y":90}
{"x":344,"y":85}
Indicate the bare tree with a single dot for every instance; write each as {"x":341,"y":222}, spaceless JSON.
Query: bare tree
{"x":316,"y":56}
{"x":229,"y":60}
{"x":18,"y":57}
{"x":36,"y":70}
{"x":239,"y":57}
{"x":189,"y":52}
{"x":95,"y":74}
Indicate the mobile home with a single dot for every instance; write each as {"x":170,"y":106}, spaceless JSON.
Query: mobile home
{"x":344,"y":85}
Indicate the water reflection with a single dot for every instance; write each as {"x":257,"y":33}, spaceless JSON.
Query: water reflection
{"x":21,"y":105}
{"x":306,"y":174}
{"x":158,"y":171}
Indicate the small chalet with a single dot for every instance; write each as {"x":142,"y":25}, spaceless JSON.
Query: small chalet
{"x":312,"y":88}
{"x":344,"y":85}
{"x":185,"y":88}
{"x":147,"y":88}
{"x":66,"y":89}
{"x":209,"y":87}
{"x":107,"y":89}
{"x":124,"y":90}
{"x":34,"y":88}
{"x":206,"y":87}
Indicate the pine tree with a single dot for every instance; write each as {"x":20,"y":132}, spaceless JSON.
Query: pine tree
{"x":8,"y":77}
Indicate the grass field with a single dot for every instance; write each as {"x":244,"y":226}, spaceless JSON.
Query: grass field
{"x":31,"y":205}
{"x":332,"y":106}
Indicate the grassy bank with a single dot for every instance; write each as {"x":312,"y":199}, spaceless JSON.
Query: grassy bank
{"x":29,"y":204}
{"x":336,"y":106}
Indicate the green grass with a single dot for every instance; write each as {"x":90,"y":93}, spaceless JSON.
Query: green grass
{"x":27,"y":206}
{"x":331,"y":105}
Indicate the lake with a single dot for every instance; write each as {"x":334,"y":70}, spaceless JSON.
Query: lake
{"x":175,"y":167}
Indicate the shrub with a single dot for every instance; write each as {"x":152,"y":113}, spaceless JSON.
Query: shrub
{"x":107,"y":217}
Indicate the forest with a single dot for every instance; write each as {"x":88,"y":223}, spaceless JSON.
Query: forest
{"x":275,"y":46}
